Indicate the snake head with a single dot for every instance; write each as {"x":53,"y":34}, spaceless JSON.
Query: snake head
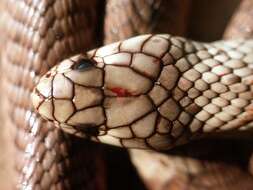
{"x":70,"y":94}
{"x":110,"y":94}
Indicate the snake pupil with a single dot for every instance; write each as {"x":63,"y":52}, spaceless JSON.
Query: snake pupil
{"x":83,"y":65}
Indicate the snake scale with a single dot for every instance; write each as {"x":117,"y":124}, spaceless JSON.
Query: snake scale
{"x":151,"y":91}
{"x":46,"y":140}
{"x":37,"y":34}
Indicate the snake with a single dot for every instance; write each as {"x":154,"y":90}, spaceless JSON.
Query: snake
{"x":153,"y":91}
{"x":42,"y":156}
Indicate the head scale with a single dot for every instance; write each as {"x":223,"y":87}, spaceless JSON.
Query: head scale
{"x":109,"y":94}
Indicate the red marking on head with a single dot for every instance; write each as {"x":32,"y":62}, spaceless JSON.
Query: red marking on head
{"x":120,"y":91}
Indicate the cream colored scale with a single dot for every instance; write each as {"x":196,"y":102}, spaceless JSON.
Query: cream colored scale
{"x":151,"y":91}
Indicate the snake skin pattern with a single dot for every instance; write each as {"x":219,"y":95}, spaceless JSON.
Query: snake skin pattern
{"x":128,"y":18}
{"x":238,"y":29}
{"x":201,"y":174}
{"x":70,"y":162}
{"x":151,"y":91}
{"x":38,"y":35}
{"x":62,"y":151}
{"x":179,"y":169}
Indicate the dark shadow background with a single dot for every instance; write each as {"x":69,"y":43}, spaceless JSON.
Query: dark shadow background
{"x":208,"y":19}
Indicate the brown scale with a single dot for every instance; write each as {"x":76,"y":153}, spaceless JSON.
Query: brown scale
{"x":236,"y":28}
{"x":38,"y":35}
{"x":129,"y":18}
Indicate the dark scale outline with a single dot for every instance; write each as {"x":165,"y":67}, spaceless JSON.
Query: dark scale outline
{"x":137,"y":119}
{"x":128,"y":52}
{"x":199,"y":60}
{"x":154,"y":128}
{"x":132,"y":69}
{"x":86,"y":86}
{"x":186,"y":129}
{"x":74,"y":89}
{"x":145,"y":74}
{"x":169,"y":95}
{"x":169,"y":126}
{"x":72,"y":92}
{"x":37,"y":92}
{"x":151,"y":89}
{"x":192,"y":67}
{"x":52,"y":102}
{"x":119,"y":46}
{"x":69,"y":99}
{"x":142,"y":73}
{"x":220,"y":52}
{"x":145,"y":41}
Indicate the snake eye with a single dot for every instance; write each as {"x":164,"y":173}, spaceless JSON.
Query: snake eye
{"x":83,"y":65}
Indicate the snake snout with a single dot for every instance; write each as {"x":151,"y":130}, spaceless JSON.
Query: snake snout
{"x":71,"y":96}
{"x":42,"y":96}
{"x":37,"y":98}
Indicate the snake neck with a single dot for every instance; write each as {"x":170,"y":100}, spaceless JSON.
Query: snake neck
{"x":209,"y":85}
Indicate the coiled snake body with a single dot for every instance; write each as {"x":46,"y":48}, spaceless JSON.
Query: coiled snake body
{"x":151,"y":91}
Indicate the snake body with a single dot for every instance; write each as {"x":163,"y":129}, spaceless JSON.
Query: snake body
{"x":151,"y":91}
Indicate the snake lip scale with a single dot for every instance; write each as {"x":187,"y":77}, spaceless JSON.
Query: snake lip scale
{"x":151,"y":91}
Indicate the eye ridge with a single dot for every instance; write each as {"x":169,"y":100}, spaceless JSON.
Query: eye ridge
{"x":83,"y":64}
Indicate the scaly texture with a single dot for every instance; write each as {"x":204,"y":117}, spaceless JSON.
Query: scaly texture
{"x":187,"y":173}
{"x":151,"y":91}
{"x":38,"y":35}
{"x":128,"y":18}
{"x":118,"y":31}
{"x":241,"y":24}
{"x":115,"y":30}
